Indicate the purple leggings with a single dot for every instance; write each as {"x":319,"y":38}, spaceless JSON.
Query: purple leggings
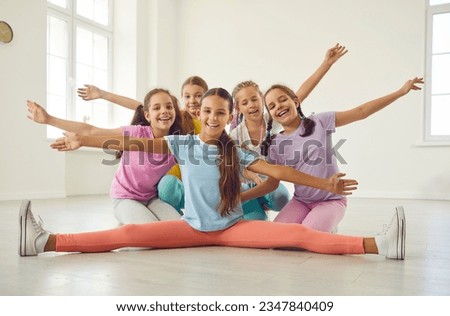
{"x":322,"y":216}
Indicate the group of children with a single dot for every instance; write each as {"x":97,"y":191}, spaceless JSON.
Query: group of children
{"x":197,"y":185}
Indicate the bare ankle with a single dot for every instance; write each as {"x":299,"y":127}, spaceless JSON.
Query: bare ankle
{"x":51,"y":243}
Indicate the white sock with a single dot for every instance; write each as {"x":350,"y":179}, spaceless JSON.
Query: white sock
{"x":382,"y":244}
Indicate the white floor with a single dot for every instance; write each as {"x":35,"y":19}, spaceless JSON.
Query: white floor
{"x":229,"y":271}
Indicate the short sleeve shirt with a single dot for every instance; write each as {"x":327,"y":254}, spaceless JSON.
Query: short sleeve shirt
{"x":200,"y":173}
{"x":139,"y":172}
{"x":313,"y":155}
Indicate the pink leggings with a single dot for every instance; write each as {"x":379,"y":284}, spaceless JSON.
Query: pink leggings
{"x":177,"y":234}
{"x":323,"y":216}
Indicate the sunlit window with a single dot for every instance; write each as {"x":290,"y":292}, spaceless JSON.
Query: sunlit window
{"x":79,"y":47}
{"x":438,"y":72}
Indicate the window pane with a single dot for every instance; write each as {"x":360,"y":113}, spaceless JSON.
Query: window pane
{"x":56,"y":37}
{"x":435,"y":2}
{"x":56,"y":75}
{"x":95,"y":10}
{"x":100,"y":112}
{"x":60,"y":3}
{"x":100,"y":51}
{"x":84,"y":46}
{"x":441,"y":74}
{"x":441,"y":33}
{"x":82,"y":55}
{"x":101,"y":11}
{"x":440,"y":112}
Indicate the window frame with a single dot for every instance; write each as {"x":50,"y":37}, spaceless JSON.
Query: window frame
{"x":74,"y":21}
{"x":428,"y":138}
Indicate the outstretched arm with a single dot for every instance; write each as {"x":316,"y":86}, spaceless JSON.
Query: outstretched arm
{"x":333,"y":184}
{"x":332,"y":55}
{"x":73,"y":141}
{"x":365,"y":110}
{"x":263,"y":188}
{"x":39,"y":115}
{"x":90,"y":92}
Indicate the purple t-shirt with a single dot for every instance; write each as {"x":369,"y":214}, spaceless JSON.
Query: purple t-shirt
{"x":313,"y":155}
{"x":139,"y":172}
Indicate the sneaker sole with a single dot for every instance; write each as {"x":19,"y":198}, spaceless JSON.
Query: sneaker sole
{"x":401,"y":222}
{"x":24,"y":207}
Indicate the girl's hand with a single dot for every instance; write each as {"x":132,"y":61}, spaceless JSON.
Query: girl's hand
{"x":71,"y":141}
{"x":90,"y":92}
{"x":411,"y":85}
{"x":341,"y":186}
{"x":37,"y":113}
{"x":252,"y":176}
{"x":334,"y":53}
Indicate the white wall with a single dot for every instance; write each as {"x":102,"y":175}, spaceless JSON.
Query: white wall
{"x":27,"y":165}
{"x":225,"y":42}
{"x":272,"y":41}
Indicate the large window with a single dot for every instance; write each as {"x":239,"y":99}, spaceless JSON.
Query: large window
{"x":437,"y":114}
{"x":79,"y":49}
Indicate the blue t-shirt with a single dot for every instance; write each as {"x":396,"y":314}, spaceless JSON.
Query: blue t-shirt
{"x":201,"y":174}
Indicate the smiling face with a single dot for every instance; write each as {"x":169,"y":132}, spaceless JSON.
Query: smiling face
{"x":191,"y":97}
{"x":161,"y":113}
{"x":249,"y":102}
{"x":214,"y":115}
{"x":282,"y":107}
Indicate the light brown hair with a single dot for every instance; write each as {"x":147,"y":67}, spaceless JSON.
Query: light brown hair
{"x":188,"y":123}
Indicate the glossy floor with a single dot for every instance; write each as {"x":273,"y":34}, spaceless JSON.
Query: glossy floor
{"x":229,"y":271}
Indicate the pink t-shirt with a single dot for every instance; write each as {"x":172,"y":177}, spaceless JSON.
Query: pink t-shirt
{"x":139,"y":172}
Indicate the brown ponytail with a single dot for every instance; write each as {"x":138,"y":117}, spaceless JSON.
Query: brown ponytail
{"x":188,"y":122}
{"x":229,"y":183}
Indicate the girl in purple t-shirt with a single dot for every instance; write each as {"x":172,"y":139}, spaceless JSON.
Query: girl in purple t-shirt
{"x":305,"y":145}
{"x":249,"y":128}
{"x":134,"y":187}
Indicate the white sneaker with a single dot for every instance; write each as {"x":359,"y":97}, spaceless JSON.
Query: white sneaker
{"x":29,"y":231}
{"x":394,"y":236}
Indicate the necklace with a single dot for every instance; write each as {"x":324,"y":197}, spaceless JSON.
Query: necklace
{"x":262,"y":128}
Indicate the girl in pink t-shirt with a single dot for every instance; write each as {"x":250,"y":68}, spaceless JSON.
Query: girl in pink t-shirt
{"x":305,"y":145}
{"x":134,"y":188}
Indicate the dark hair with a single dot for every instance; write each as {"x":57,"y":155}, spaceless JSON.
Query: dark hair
{"x":188,"y":124}
{"x":139,"y":115}
{"x":308,"y":123}
{"x":229,"y":183}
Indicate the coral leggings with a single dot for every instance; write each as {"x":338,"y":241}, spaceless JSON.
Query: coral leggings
{"x":178,"y":234}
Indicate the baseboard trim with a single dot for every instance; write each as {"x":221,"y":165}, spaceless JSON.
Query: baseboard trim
{"x":402,"y":196}
{"x":32,"y":195}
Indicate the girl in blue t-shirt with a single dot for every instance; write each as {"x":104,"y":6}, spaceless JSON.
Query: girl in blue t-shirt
{"x":211,"y":164}
{"x":305,"y":145}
